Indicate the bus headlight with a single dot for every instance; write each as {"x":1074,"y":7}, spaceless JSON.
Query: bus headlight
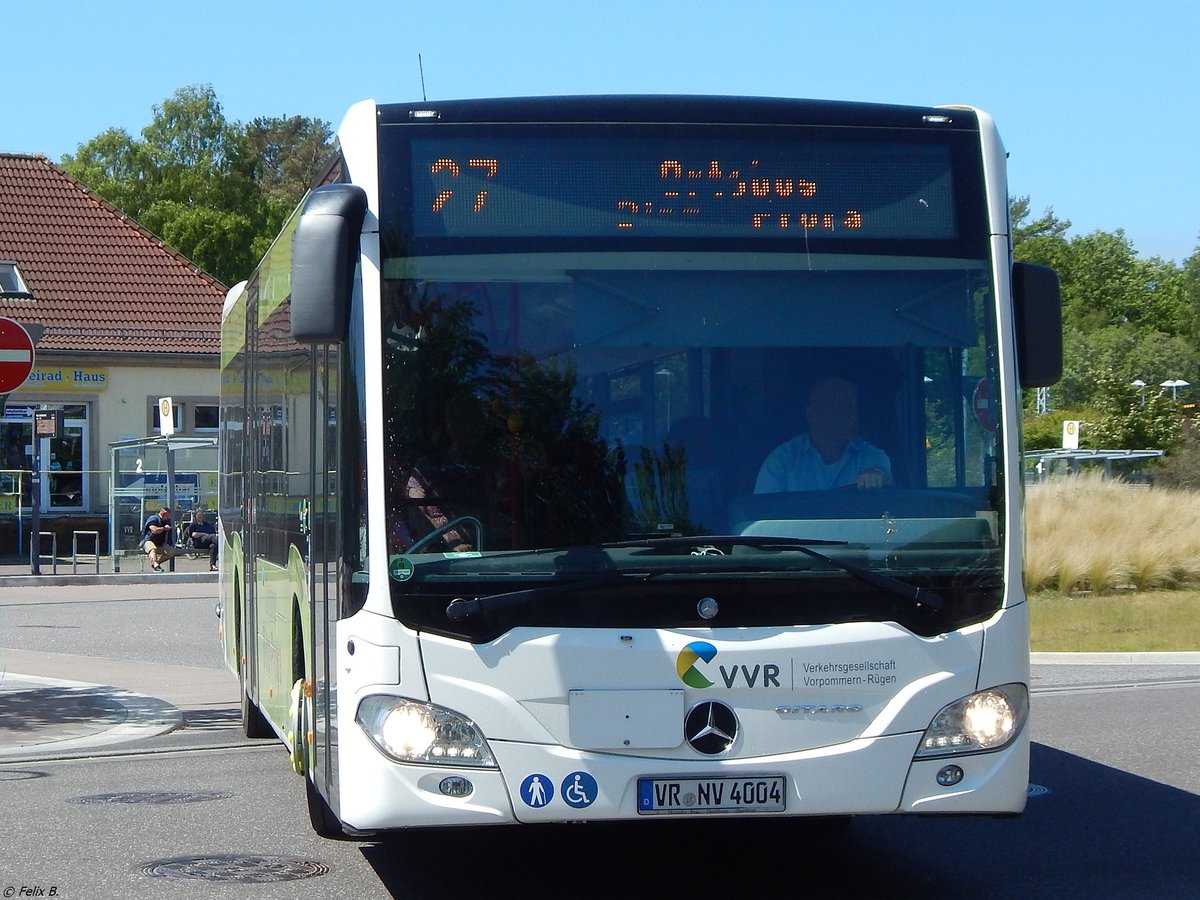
{"x":412,"y":732}
{"x":986,"y":720}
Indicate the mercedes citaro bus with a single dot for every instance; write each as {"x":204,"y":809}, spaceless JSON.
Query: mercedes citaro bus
{"x":498,"y":543}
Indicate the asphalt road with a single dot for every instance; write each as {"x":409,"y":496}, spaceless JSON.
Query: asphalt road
{"x":192,"y":808}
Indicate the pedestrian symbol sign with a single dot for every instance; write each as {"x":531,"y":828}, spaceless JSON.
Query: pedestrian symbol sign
{"x":537,"y":791}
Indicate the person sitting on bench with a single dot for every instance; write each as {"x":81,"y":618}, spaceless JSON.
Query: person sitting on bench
{"x":158,"y":538}
{"x":203,"y":536}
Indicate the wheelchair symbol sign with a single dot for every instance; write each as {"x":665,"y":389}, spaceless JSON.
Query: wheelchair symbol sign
{"x":579,"y":790}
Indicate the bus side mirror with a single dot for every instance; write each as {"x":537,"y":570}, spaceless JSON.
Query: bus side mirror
{"x":324,"y":253}
{"x":1037,"y":306}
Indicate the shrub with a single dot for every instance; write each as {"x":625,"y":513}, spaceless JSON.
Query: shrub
{"x":1087,"y":533}
{"x":1181,"y":469}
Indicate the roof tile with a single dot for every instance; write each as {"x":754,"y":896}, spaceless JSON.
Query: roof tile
{"x":100,"y":281}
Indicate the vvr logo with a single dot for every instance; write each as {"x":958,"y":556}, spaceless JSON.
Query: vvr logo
{"x":685,"y":663}
{"x":701,"y":651}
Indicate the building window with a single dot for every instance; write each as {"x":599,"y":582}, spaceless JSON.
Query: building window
{"x":207,"y":418}
{"x":12,"y":284}
{"x":176,"y":414}
{"x":64,"y":460}
{"x":193,"y":414}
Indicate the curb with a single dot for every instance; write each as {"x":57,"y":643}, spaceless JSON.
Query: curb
{"x":130,"y":578}
{"x":1182,"y":658}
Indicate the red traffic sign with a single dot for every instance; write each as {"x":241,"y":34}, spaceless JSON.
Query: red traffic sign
{"x":16,"y":355}
{"x":981,"y":405}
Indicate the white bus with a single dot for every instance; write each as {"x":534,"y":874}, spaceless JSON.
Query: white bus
{"x":522,"y":518}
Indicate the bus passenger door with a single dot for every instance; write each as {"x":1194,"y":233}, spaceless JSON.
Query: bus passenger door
{"x":323,"y":565}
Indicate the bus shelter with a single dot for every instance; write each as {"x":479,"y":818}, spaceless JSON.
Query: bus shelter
{"x":150,"y":473}
{"x":1048,"y":462}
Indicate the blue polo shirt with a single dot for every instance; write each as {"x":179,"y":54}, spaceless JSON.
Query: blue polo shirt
{"x":797,"y":466}
{"x":160,"y":539}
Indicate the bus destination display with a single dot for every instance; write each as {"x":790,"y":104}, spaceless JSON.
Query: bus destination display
{"x":737,"y":189}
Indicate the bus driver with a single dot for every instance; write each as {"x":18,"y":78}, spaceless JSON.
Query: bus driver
{"x":831,"y":454}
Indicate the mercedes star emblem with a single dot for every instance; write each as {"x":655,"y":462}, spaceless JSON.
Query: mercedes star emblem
{"x":710,"y":727}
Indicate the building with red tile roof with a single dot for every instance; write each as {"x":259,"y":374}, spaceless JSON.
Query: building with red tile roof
{"x":119,"y":319}
{"x":95,"y":273}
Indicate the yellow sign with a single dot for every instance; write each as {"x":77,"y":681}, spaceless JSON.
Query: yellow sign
{"x":66,"y":378}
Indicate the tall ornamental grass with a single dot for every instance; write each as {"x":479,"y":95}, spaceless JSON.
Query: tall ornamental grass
{"x":1084,"y":533}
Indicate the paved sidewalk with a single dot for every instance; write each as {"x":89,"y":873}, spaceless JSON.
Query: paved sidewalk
{"x":39,"y":714}
{"x":43,"y":711}
{"x":58,"y":696}
{"x":130,"y":569}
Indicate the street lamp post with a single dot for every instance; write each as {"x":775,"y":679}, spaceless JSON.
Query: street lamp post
{"x":1139,"y":384}
{"x":1174,"y":384}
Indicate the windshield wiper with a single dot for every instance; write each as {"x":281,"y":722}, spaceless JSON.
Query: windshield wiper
{"x":922,"y":597}
{"x":762,"y":542}
{"x":460,"y":607}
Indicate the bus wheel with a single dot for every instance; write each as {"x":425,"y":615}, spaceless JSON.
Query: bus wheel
{"x":298,"y":720}
{"x":254,"y":723}
{"x":320,"y":815}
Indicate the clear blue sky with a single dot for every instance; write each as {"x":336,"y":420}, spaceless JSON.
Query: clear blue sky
{"x":1096,"y":101}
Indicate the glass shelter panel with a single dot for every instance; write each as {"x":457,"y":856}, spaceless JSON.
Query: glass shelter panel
{"x":144,"y":481}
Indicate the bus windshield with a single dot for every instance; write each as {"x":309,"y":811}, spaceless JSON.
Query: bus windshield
{"x":596,"y":382}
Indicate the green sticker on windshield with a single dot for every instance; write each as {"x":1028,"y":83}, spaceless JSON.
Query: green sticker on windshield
{"x":401,"y":568}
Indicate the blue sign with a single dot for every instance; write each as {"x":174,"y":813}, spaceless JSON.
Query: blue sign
{"x":537,"y":791}
{"x":579,"y":789}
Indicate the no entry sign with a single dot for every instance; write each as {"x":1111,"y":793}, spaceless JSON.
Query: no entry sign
{"x":16,"y":355}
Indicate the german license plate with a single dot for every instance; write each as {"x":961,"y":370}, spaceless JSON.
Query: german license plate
{"x":699,"y":795}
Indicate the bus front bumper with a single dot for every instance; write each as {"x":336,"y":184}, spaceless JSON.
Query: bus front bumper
{"x":538,"y":783}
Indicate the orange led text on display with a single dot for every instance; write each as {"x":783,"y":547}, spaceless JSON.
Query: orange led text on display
{"x":489,"y":168}
{"x":699,"y":188}
{"x":756,"y":200}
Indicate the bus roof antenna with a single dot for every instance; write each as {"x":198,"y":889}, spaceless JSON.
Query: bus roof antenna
{"x":421,"y":66}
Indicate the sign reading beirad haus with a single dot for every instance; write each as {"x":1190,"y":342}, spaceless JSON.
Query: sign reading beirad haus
{"x":66,"y":378}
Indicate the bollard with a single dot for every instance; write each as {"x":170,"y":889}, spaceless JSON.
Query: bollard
{"x":35,"y":547}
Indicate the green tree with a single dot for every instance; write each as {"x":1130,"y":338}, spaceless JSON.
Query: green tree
{"x":1104,"y":281}
{"x":287,"y":152}
{"x":1130,"y":419}
{"x":1131,"y":353}
{"x":1046,"y":432}
{"x":1126,"y":319}
{"x":1189,"y":287}
{"x":1139,"y":318}
{"x":1181,"y":469}
{"x":286,"y":155}
{"x":113,"y":165}
{"x":215,"y":190}
{"x":1024,"y":229}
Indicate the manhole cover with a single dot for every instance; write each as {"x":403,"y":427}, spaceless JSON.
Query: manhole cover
{"x":161,"y":798}
{"x":235,"y":868}
{"x":1036,"y":790}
